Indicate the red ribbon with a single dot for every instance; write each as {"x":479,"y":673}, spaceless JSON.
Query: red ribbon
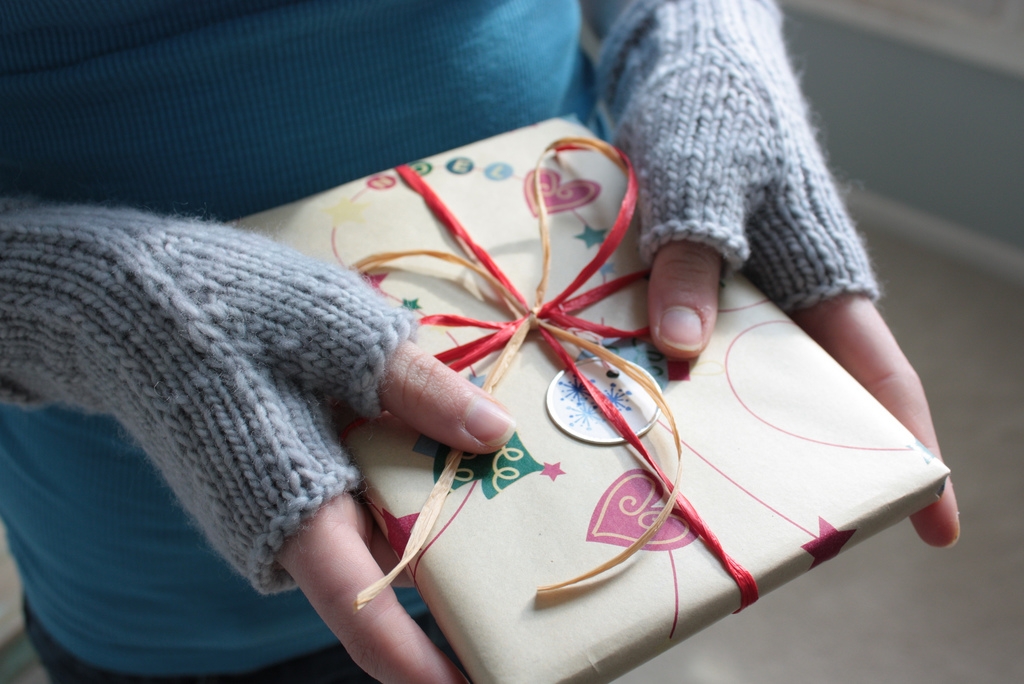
{"x":558,"y":312}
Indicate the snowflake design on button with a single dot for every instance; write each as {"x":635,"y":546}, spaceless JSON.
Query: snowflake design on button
{"x":618,"y":396}
{"x":583,"y":415}
{"x":575,"y":413}
{"x":572,"y":390}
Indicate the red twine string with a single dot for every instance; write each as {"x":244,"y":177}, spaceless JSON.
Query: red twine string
{"x":557,"y":313}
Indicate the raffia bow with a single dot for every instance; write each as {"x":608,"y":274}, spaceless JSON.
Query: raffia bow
{"x":555,"y":322}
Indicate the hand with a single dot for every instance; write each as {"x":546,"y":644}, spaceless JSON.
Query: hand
{"x":339,"y":552}
{"x":853,"y":332}
{"x":683,"y":306}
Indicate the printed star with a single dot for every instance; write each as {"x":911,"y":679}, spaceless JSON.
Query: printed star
{"x":399,"y":529}
{"x":478,"y":380}
{"x":828,"y":544}
{"x":678,"y":370}
{"x":347,"y":211}
{"x":592,"y":237}
{"x":428,"y":447}
{"x":375,"y":279}
{"x":553,"y":470}
{"x":412,"y":304}
{"x":927,"y":455}
{"x":608,"y":269}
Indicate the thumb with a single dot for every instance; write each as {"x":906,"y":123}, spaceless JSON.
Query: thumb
{"x":437,"y":401}
{"x":682,"y":298}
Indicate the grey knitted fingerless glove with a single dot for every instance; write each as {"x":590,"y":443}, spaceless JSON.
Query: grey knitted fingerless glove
{"x":708,"y":109}
{"x":212,"y":346}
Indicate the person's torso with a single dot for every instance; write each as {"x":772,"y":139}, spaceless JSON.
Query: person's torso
{"x":222,"y":109}
{"x":227,"y":108}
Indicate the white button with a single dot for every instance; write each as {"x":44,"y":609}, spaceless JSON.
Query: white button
{"x":575,"y":413}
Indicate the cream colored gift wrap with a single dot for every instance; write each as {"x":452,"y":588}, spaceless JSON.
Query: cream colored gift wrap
{"x":786,"y":458}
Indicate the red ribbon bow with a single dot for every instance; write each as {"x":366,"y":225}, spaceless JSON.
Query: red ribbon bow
{"x":554,"y":320}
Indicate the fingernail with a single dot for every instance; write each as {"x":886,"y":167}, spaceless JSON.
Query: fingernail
{"x":489,"y":423}
{"x":680,"y":327}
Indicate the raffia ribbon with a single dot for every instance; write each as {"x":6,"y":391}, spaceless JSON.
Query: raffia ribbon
{"x":554,"y":321}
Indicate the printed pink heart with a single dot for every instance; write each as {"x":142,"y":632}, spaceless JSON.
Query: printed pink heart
{"x":629,"y":507}
{"x":559,"y":196}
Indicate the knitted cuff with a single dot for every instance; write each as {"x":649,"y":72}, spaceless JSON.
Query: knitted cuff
{"x":215,"y":349}
{"x":710,"y":113}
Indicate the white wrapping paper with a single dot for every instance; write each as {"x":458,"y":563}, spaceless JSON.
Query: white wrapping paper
{"x":787,"y":459}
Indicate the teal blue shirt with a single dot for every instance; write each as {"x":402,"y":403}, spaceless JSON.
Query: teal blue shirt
{"x":227,"y":107}
{"x":221,"y":108}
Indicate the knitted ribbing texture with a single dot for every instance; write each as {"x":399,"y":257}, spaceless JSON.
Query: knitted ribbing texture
{"x":708,"y":108}
{"x":214,"y":347}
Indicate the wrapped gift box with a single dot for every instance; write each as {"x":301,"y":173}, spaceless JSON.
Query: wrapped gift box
{"x":787,"y":459}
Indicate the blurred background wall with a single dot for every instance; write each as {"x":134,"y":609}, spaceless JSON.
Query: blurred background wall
{"x":920,"y":103}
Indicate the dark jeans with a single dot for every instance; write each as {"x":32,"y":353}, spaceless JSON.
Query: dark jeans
{"x":329,"y":666}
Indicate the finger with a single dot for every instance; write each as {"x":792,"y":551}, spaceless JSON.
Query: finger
{"x":939,"y":524}
{"x":682,"y":299}
{"x":438,"y":402}
{"x":330,"y":562}
{"x":852,"y":330}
